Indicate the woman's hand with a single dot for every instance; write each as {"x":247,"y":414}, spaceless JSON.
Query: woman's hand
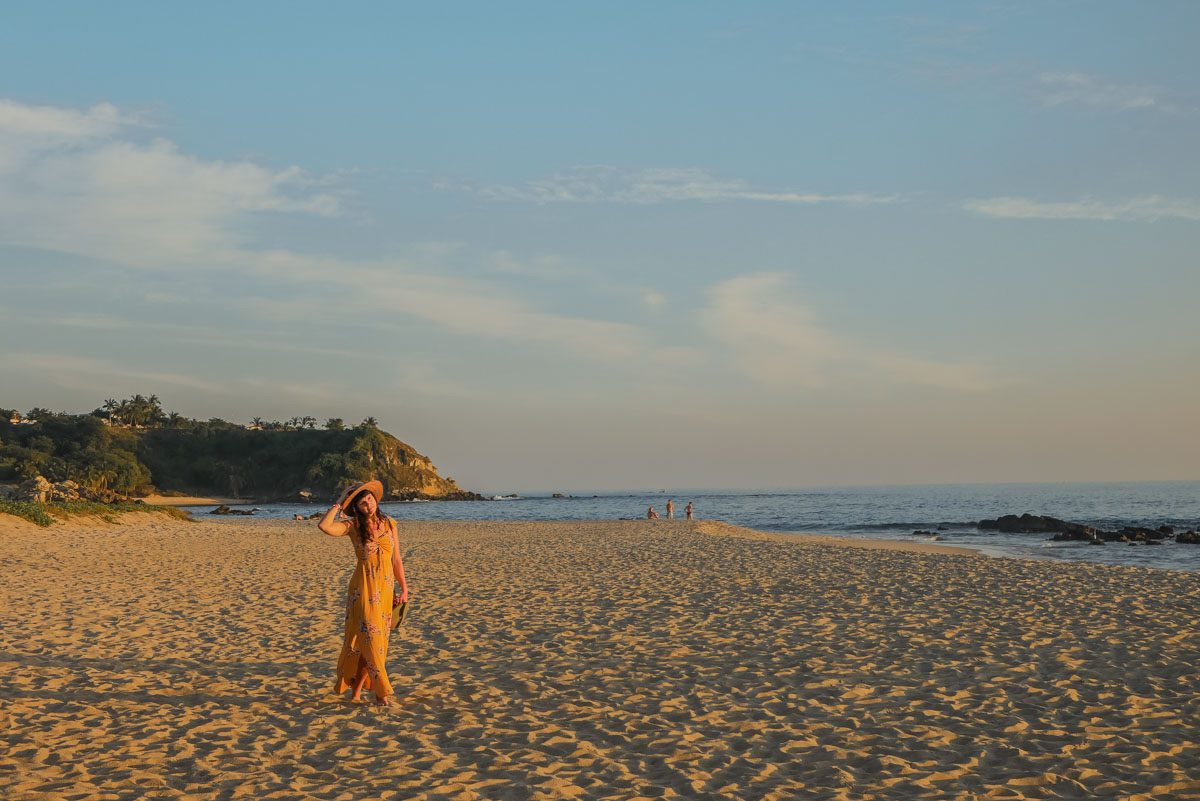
{"x":402,"y":595}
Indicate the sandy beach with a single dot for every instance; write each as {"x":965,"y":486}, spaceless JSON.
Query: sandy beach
{"x":191,"y":500}
{"x":162,"y":659}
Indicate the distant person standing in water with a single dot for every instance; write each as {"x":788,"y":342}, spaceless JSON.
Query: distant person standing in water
{"x":368,"y":626}
{"x":651,"y":514}
{"x":687,"y":510}
{"x":671,"y":509}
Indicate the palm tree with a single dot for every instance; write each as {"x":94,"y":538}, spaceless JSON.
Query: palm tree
{"x":133,"y":410}
{"x":154,"y":411}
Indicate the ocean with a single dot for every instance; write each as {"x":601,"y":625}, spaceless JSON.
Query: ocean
{"x":892,"y":513}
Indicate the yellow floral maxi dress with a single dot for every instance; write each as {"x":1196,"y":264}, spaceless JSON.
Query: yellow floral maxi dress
{"x":368,"y":612}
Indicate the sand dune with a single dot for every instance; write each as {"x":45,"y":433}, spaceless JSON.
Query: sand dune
{"x":607,"y":660}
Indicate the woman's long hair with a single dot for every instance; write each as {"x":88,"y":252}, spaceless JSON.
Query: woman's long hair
{"x":364,"y":522}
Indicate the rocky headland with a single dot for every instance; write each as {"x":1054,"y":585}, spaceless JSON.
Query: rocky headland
{"x":113,"y":455}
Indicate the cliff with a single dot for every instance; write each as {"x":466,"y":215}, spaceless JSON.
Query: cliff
{"x":107,"y":459}
{"x":291,"y":465}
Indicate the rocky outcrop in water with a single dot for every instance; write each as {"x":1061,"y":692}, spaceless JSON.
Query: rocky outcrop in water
{"x":1034,"y":524}
{"x":225,"y":510}
{"x":1066,"y":530}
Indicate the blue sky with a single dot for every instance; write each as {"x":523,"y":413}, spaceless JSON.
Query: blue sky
{"x":573,"y":245}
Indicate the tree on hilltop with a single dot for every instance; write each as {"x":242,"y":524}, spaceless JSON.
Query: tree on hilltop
{"x":136,"y":412}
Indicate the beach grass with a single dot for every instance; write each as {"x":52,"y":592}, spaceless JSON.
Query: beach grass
{"x":46,"y":514}
{"x":27,"y":510}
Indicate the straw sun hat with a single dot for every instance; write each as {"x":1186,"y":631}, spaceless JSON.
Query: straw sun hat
{"x":373,"y":487}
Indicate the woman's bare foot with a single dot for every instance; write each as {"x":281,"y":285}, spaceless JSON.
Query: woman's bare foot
{"x":356,"y":698}
{"x":383,"y":700}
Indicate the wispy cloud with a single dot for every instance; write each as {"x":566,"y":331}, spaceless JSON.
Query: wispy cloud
{"x":191,"y":334}
{"x":464,"y":306}
{"x":1147,"y":208}
{"x":547,"y":267}
{"x":81,"y":183}
{"x":653,"y":298}
{"x":776,"y":338}
{"x":1083,"y":89}
{"x":78,"y":181}
{"x":61,"y":124}
{"x":85,"y":373}
{"x":937,"y":34}
{"x":477,"y":309}
{"x":607,"y":184}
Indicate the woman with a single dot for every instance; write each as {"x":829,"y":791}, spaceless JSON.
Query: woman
{"x":362,"y":664}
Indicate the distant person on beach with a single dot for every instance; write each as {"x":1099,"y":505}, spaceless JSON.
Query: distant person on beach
{"x":651,"y":514}
{"x":363,"y":661}
{"x":671,"y":509}
{"x":687,"y":510}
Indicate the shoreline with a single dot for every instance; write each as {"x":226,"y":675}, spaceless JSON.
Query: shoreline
{"x":721,"y":528}
{"x":712,"y":527}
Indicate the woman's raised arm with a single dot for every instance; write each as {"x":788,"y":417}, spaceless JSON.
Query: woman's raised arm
{"x":331,"y":525}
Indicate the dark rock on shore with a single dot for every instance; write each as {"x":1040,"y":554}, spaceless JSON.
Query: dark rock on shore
{"x":1142,"y":534}
{"x":1065,"y":530}
{"x":1189,"y":538}
{"x":389,"y":497}
{"x":225,"y":510}
{"x":453,"y":495}
{"x":1035,"y":524}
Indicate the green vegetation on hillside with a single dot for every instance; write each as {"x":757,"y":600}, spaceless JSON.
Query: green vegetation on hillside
{"x":135,"y":447}
{"x":78,"y":447}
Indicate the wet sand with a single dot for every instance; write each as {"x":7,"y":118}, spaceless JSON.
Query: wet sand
{"x":610,"y":660}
